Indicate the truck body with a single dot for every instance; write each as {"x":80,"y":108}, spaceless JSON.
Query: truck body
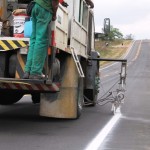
{"x":70,"y":73}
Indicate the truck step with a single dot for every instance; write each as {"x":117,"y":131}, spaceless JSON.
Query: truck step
{"x":28,"y":85}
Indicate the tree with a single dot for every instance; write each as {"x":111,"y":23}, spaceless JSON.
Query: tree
{"x":114,"y":34}
{"x":129,"y":37}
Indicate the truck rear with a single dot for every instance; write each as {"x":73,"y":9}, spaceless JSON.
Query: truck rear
{"x":69,"y":71}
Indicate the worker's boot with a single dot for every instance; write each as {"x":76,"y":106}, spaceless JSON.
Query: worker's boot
{"x":36,"y":77}
{"x":26,"y":75}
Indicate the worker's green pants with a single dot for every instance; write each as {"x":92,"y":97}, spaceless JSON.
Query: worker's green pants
{"x":39,"y":40}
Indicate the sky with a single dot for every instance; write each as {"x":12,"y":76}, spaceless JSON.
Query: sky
{"x":129,"y":16}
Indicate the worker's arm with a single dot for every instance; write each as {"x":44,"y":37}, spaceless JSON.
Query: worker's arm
{"x":90,"y":3}
{"x":19,"y":11}
{"x":55,"y":4}
{"x":63,"y":3}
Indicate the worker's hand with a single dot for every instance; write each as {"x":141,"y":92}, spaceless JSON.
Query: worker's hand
{"x":19,"y":11}
{"x":90,"y":3}
{"x":64,"y":4}
{"x":55,"y":4}
{"x":54,"y":17}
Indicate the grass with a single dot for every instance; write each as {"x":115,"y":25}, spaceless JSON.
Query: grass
{"x":115,"y":49}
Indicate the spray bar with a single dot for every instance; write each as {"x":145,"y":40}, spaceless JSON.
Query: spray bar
{"x":108,"y":59}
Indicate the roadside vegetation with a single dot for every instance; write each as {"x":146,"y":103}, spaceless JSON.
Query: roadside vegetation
{"x":113,"y":45}
{"x":112,"y":49}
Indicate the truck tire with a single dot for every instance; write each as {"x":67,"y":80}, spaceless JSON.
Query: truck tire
{"x":90,"y":99}
{"x":10,"y":97}
{"x":91,"y":95}
{"x":92,"y":81}
{"x":35,"y":98}
{"x":80,"y":98}
{"x":12,"y":65}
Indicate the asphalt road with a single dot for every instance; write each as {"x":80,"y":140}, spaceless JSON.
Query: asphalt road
{"x":22,"y":129}
{"x":132,"y":131}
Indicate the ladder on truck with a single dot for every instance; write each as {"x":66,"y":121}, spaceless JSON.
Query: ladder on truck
{"x":77,"y":62}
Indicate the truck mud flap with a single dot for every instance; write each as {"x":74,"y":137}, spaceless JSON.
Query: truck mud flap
{"x":64,"y":104}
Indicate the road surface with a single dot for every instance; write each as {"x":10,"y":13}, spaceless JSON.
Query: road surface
{"x":132,"y":131}
{"x":22,"y":129}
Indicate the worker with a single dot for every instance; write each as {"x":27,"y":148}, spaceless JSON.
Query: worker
{"x":90,"y":3}
{"x":42,"y":13}
{"x":23,"y":11}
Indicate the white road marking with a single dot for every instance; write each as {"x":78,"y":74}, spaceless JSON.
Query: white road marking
{"x":97,"y":141}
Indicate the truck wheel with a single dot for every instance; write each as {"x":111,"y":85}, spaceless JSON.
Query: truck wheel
{"x":91,"y":94}
{"x":90,"y":97}
{"x":92,"y":81}
{"x":12,"y":65}
{"x":11,"y":97}
{"x":80,"y":97}
{"x":35,"y":98}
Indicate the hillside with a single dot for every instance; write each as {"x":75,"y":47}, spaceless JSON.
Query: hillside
{"x":114,"y":49}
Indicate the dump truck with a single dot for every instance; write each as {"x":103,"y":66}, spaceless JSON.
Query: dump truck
{"x":70,"y":71}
